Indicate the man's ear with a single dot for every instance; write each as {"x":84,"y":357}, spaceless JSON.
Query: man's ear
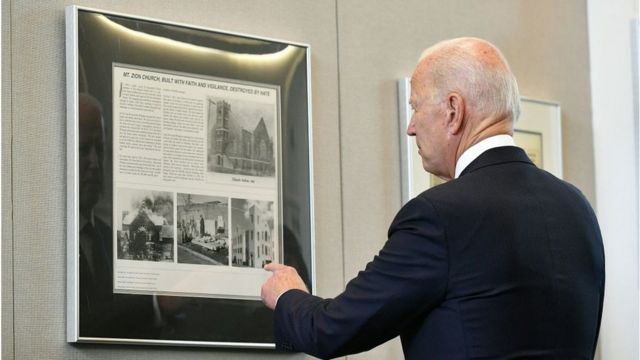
{"x":455,"y":113}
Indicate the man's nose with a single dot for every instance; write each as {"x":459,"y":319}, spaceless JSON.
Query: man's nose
{"x":411,"y":129}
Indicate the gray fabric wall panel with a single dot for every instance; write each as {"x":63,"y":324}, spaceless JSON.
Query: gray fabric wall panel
{"x":38,"y":159}
{"x":552,"y":62}
{"x":7,"y":226}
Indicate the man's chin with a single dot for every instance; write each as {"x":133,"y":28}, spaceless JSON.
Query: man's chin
{"x":426,"y":166}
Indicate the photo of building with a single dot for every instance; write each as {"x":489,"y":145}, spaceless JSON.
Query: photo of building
{"x":203,"y":232}
{"x":239,"y":140}
{"x":252,"y":243}
{"x":145,"y":229}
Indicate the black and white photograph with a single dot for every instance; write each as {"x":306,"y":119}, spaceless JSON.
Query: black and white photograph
{"x":145,"y":225}
{"x":252,"y":233}
{"x":240,"y":137}
{"x":203,"y":229}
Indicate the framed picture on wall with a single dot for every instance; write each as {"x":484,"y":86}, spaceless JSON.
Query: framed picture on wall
{"x":538,"y":131}
{"x":189,"y":169}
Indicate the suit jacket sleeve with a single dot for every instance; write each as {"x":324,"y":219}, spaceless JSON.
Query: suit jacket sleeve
{"x":396,"y":290}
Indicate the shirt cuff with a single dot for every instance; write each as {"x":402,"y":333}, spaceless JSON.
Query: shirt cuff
{"x":278,"y":298}
{"x":284,"y":292}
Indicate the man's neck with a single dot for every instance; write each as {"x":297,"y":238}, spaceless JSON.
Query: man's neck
{"x":477,"y":149}
{"x":86,"y":217}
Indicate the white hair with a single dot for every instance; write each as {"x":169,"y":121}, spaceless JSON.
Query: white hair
{"x":478,"y":71}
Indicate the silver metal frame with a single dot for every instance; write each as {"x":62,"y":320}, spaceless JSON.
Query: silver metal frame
{"x":312,"y":206}
{"x":72,"y":77}
{"x":406,"y":151}
{"x":71,"y":15}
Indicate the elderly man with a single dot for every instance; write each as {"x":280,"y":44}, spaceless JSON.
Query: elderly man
{"x":102,"y":313}
{"x":502,"y":261}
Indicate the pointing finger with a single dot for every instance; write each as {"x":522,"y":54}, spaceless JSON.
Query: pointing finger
{"x":274,"y":267}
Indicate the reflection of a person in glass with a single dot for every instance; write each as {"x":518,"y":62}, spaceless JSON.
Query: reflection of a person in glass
{"x":95,"y":269}
{"x":99,"y":308}
{"x":90,"y":152}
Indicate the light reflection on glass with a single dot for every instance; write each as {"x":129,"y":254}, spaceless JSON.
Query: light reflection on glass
{"x":269,"y":59}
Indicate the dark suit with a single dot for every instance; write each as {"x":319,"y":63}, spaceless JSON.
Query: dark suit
{"x":103,"y":313}
{"x":504,"y":262}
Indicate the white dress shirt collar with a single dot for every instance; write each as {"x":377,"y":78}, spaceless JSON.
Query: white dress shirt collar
{"x":476,"y":150}
{"x":82,"y":221}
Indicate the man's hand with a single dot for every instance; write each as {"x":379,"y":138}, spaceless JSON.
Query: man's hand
{"x":283,"y":278}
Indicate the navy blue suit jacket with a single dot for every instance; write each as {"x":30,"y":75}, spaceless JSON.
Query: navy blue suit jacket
{"x":504,"y":262}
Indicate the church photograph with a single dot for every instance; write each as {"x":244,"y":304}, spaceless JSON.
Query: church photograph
{"x":240,"y":138}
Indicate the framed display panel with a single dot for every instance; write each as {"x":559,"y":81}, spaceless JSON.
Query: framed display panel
{"x":538,"y":131}
{"x":189,"y":169}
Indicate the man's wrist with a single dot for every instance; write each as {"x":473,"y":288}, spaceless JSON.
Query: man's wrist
{"x":278,"y":298}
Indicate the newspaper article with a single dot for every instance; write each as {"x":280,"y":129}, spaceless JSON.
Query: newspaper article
{"x":196,"y":183}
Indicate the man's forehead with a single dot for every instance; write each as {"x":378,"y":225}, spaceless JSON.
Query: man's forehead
{"x":414,"y":81}
{"x":419,"y":73}
{"x":414,"y":96}
{"x":417,"y":81}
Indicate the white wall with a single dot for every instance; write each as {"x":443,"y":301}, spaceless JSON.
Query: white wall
{"x":615,"y":137}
